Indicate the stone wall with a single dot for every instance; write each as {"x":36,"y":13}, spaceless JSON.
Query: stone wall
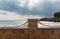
{"x":32,"y":32}
{"x":49,"y":33}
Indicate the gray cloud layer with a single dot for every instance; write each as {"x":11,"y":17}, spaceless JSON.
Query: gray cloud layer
{"x":48,"y":8}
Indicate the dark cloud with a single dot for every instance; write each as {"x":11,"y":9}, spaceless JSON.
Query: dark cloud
{"x":48,"y":8}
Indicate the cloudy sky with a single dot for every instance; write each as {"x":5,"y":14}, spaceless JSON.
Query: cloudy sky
{"x":24,"y":9}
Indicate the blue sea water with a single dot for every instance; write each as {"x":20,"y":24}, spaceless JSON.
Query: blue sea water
{"x":11,"y":22}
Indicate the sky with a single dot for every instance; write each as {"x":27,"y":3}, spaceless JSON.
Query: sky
{"x":24,"y":9}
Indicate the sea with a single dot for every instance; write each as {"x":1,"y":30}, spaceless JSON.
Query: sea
{"x":11,"y":22}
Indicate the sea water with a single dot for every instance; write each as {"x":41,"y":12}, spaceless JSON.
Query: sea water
{"x":11,"y":22}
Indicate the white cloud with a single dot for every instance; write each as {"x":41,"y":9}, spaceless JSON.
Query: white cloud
{"x":29,"y":3}
{"x":34,"y":17}
{"x":5,"y":15}
{"x":32,"y":3}
{"x":56,"y":4}
{"x":54,"y":1}
{"x":22,"y":3}
{"x":35,"y":3}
